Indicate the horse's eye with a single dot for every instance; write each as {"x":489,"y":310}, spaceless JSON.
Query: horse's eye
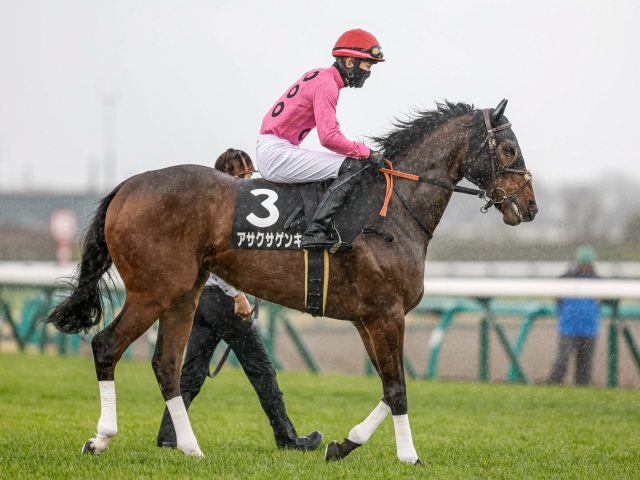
{"x":510,"y":151}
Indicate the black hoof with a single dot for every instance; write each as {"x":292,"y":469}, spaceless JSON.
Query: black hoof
{"x":88,"y":447}
{"x":337,"y":451}
{"x":171,"y":445}
{"x":419,"y":462}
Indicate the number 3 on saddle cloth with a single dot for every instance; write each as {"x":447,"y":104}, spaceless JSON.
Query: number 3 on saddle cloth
{"x":273,"y":216}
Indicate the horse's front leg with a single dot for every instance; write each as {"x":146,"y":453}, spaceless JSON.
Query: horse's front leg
{"x":384,"y":342}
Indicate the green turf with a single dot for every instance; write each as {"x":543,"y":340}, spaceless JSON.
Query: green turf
{"x":49,"y":407}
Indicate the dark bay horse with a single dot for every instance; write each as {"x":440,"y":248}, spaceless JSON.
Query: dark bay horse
{"x":165,"y":230}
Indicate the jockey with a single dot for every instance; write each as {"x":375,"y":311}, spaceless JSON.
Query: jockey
{"x":311,"y":102}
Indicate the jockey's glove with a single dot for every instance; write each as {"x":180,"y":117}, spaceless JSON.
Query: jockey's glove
{"x":376,"y":159}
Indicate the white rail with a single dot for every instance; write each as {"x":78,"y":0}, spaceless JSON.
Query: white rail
{"x":532,"y":288}
{"x":46,"y":274}
{"x":41,"y":274}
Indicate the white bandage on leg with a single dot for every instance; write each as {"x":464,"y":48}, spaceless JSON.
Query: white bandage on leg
{"x":186,"y":440}
{"x":108,"y":423}
{"x":361,"y":432}
{"x":406,"y":451}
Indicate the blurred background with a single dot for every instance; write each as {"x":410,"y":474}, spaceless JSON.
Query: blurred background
{"x":92,"y":93}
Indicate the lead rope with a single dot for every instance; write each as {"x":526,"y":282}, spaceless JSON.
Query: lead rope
{"x":225,"y":355}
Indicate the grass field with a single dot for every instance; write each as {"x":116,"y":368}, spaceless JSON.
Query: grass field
{"x":49,"y":407}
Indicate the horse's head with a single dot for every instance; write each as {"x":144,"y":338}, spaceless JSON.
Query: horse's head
{"x":495,"y":163}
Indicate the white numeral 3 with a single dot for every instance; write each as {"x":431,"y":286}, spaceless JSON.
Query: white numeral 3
{"x":268,"y":203}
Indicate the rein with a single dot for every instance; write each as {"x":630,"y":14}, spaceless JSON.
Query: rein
{"x":490,"y":196}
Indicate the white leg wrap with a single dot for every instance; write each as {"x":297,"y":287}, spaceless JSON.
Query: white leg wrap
{"x":187,"y":442}
{"x":361,"y":432}
{"x":406,"y":451}
{"x":108,"y":423}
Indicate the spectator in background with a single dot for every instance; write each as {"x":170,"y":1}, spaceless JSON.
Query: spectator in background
{"x":578,"y":324}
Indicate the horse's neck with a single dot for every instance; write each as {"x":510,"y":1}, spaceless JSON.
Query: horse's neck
{"x":438,"y":155}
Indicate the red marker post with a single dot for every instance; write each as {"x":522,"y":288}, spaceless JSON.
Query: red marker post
{"x":63,"y":225}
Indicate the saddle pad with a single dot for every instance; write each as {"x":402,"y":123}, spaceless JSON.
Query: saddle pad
{"x":262,"y":210}
{"x":274,"y":216}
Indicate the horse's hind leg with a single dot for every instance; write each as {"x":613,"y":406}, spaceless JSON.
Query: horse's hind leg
{"x":175,"y":327}
{"x":108,"y":346}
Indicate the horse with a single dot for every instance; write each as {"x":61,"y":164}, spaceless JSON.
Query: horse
{"x":165,"y":230}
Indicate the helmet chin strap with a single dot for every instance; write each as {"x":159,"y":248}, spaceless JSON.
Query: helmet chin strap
{"x":354,"y":76}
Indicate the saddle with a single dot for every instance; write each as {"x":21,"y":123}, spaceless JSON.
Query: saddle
{"x":273,"y":216}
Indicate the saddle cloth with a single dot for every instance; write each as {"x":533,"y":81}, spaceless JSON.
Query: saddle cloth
{"x":271,"y":216}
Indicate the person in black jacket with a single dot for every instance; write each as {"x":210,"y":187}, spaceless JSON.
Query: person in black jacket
{"x":221,"y":315}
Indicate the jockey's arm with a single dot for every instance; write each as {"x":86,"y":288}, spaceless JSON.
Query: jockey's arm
{"x":325,"y":99}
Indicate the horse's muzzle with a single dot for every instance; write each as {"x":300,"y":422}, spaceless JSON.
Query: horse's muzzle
{"x":532,"y":210}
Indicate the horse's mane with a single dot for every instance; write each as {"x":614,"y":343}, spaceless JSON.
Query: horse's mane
{"x":417,"y":124}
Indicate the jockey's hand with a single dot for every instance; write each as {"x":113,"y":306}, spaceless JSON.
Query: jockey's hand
{"x":376,"y":159}
{"x":242,"y":308}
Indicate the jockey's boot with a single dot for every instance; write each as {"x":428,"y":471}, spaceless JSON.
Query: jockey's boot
{"x":317,"y":235}
{"x":285,"y":433}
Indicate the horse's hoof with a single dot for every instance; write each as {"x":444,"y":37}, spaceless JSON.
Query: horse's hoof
{"x":337,"y":451}
{"x":331,"y":452}
{"x":411,"y":461}
{"x":196,"y":452}
{"x":96,"y":445}
{"x":90,"y":447}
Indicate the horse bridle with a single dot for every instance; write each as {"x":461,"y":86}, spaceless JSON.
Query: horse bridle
{"x":516,"y":167}
{"x":497,"y":195}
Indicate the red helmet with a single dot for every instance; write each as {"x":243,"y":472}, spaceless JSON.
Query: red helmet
{"x":359,"y":44}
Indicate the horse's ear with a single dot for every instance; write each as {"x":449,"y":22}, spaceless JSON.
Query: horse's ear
{"x":498,"y":112}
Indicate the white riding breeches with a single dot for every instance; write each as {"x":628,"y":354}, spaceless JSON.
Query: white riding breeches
{"x":280,"y":161}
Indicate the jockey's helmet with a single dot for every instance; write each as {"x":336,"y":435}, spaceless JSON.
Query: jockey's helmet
{"x":358,"y":44}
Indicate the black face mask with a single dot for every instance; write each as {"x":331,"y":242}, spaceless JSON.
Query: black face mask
{"x":354,"y":76}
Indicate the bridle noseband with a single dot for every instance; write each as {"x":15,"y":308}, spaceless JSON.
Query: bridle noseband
{"x":497,"y":195}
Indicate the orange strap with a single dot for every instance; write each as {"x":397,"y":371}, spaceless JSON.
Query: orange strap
{"x":389,"y":173}
{"x":388,"y":176}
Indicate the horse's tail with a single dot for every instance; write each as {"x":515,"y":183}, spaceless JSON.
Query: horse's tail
{"x":84,"y":308}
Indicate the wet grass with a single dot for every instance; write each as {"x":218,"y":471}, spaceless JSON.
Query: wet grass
{"x":49,"y":407}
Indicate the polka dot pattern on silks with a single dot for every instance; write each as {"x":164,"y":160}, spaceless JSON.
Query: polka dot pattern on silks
{"x":311,"y":76}
{"x":277,"y":110}
{"x":303,"y":134}
{"x":293,"y":91}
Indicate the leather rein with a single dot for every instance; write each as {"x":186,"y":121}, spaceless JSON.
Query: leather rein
{"x":494,"y":196}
